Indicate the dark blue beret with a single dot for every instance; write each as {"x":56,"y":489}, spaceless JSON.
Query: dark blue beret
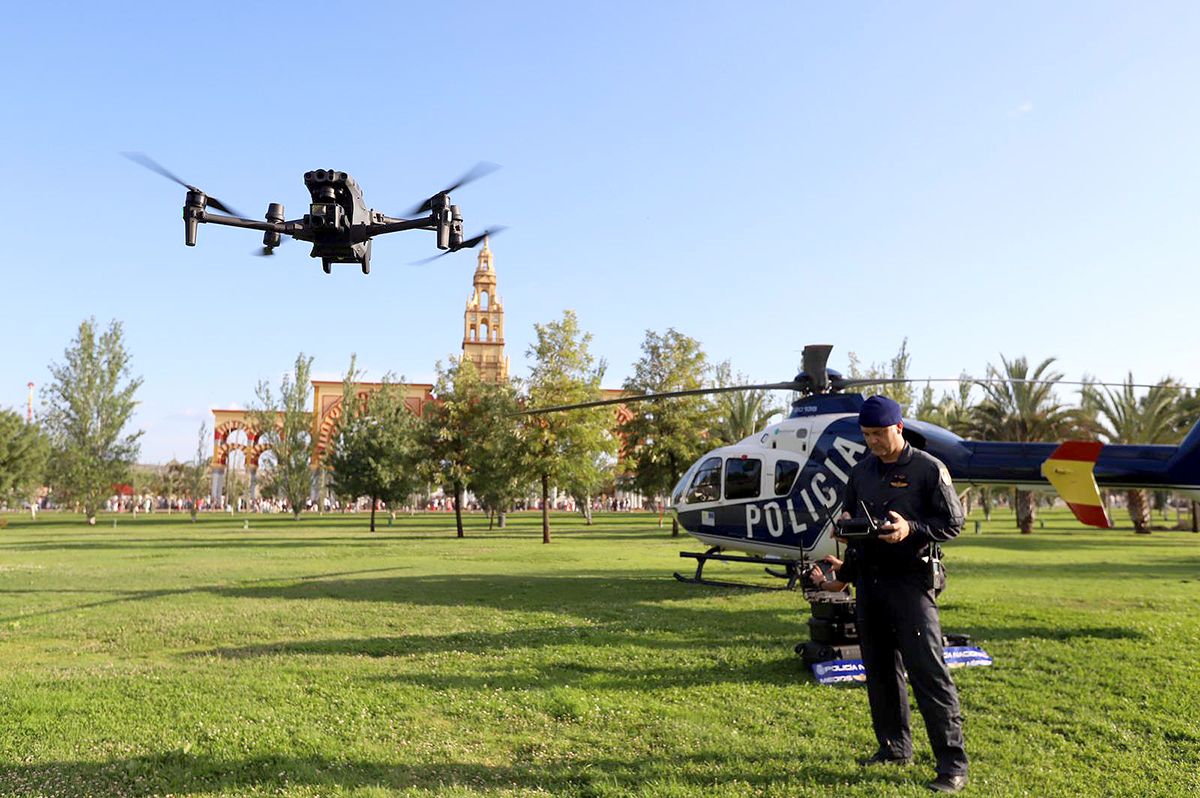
{"x":879,"y":411}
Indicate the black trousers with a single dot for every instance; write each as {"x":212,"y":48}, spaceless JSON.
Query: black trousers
{"x":899,"y":630}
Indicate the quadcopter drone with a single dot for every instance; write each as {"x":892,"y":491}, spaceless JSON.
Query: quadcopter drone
{"x":338,"y":224}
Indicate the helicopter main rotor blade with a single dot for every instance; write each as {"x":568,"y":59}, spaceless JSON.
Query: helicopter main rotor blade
{"x":142,"y":159}
{"x":646,"y":397}
{"x":481,"y":169}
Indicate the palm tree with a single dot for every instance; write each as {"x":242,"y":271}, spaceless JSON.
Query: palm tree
{"x":740,"y":413}
{"x":1020,"y":405}
{"x":1123,"y":417}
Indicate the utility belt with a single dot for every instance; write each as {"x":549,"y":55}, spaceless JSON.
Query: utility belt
{"x":929,"y":566}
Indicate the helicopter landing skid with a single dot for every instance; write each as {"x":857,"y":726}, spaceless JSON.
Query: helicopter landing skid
{"x":790,"y":570}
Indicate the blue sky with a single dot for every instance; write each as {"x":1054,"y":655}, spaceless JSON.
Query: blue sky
{"x":1017,"y":178}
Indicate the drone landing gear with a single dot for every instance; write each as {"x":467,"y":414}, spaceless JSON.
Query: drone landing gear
{"x":326,"y":266}
{"x":789,"y":571}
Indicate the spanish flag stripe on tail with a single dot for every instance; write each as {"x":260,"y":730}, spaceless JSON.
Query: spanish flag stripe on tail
{"x":1070,"y":470}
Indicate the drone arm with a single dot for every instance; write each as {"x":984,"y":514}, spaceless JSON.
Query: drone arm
{"x":251,"y":224}
{"x":389,"y":225}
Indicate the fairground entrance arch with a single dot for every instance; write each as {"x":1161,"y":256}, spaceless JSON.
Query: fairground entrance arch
{"x":235,"y":433}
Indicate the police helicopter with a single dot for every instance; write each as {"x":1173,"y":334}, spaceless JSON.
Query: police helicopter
{"x":774,"y":496}
{"x":339,"y":225}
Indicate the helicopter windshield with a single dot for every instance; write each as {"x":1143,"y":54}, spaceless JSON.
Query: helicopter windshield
{"x":706,"y":486}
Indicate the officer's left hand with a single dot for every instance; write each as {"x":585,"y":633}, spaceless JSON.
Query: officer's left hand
{"x":899,"y":528}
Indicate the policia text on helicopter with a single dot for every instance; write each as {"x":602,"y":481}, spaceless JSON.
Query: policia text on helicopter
{"x":905,"y":500}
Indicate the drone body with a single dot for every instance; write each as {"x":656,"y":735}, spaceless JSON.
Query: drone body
{"x":339,"y":225}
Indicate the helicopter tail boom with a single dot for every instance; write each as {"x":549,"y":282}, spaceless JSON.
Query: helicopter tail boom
{"x":1184,"y":467}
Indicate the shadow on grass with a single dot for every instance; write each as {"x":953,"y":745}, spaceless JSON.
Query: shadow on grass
{"x":1156,"y":571}
{"x":1116,"y":540}
{"x":178,"y":772}
{"x":982,"y":634}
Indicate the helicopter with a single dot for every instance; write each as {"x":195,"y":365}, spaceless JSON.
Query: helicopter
{"x":338,"y":224}
{"x":774,"y":496}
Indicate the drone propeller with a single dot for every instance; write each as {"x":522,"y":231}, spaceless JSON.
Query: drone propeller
{"x":481,"y":169}
{"x":469,"y":243}
{"x":265,"y":251}
{"x":142,"y":159}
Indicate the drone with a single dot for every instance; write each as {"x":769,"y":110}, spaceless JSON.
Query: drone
{"x":774,"y":496}
{"x":339,"y":225}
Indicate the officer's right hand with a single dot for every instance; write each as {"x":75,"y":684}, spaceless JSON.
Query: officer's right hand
{"x":834,"y":562}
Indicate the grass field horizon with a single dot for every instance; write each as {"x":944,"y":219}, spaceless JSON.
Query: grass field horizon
{"x":161,"y":657}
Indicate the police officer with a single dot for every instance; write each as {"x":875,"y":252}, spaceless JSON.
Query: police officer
{"x":898,"y":622}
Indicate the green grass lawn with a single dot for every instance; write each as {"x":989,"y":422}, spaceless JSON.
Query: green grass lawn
{"x":314,"y":658}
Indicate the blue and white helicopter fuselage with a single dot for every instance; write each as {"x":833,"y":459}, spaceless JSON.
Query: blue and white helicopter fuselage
{"x":777,"y":493}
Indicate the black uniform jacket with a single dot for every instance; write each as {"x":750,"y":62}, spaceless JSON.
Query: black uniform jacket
{"x":918,"y":487}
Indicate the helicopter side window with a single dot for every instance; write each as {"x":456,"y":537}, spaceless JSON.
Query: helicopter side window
{"x":785,"y":476}
{"x":706,"y":487}
{"x":743,"y":478}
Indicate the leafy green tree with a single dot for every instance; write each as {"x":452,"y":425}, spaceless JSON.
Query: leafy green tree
{"x":1020,"y":405}
{"x":739,"y":414}
{"x":895,"y":369}
{"x":286,"y":423}
{"x":951,"y":411}
{"x":664,"y":436}
{"x":24,"y":452}
{"x":499,"y":459}
{"x":562,"y":444}
{"x":376,"y":445}
{"x":1124,"y":417}
{"x":450,"y":427}
{"x":88,"y":404}
{"x":195,"y":474}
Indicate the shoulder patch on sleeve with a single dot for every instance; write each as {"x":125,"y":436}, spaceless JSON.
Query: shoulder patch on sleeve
{"x":944,"y":475}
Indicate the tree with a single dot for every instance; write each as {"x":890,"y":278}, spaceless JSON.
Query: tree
{"x":375,"y":445}
{"x":1020,"y":405}
{"x":953,"y":412}
{"x":499,"y":459}
{"x":286,"y":425}
{"x":564,"y":372}
{"x":195,"y":473}
{"x":24,"y":452}
{"x":89,"y":402}
{"x":896,"y":369}
{"x":450,"y":427}
{"x":739,"y":414}
{"x":665,"y":436}
{"x":1123,"y":417}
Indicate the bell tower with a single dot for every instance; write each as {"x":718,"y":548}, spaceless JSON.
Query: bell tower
{"x":483,"y":323}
